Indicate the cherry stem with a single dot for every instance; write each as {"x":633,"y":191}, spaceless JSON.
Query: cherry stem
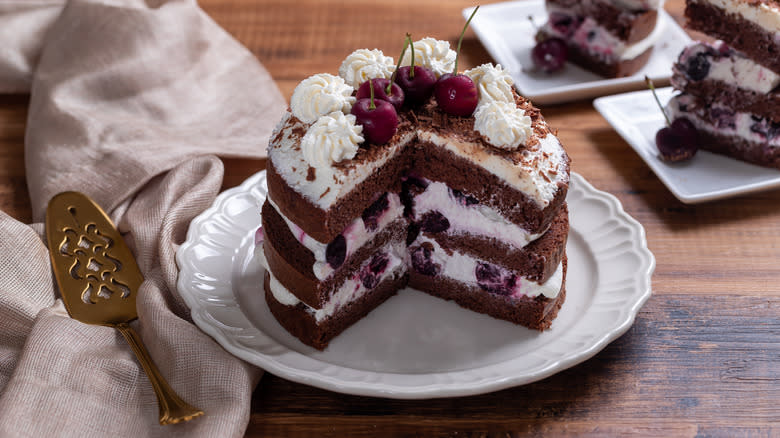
{"x":460,"y":40}
{"x":652,"y":88}
{"x":371,"y":90}
{"x":388,"y":90}
{"x":409,"y":41}
{"x":533,"y":23}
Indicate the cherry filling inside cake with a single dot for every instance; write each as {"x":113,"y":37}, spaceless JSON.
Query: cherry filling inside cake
{"x":467,"y":208}
{"x":610,"y":38}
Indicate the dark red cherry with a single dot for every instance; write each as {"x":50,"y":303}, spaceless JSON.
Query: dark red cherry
{"x":417,"y":87}
{"x":550,"y":55}
{"x":396,"y":96}
{"x":422,"y":260}
{"x":434,"y":222}
{"x":374,"y":211}
{"x":457,"y":95}
{"x":379,"y":123}
{"x":677,"y":142}
{"x":686,"y":131}
{"x":336,"y":251}
{"x":495,"y":279}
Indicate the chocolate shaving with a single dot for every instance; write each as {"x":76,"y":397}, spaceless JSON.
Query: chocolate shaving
{"x":325,"y":192}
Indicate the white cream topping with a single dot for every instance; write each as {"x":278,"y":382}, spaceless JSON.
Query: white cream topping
{"x":730,"y":66}
{"x":331,"y":139}
{"x":598,"y":41}
{"x":364,"y":64}
{"x":744,"y":73}
{"x":493,"y":82}
{"x":319,"y":95}
{"x":503,"y":124}
{"x":433,"y":54}
{"x":740,"y":124}
{"x":475,"y":219}
{"x":537,"y":175}
{"x":352,"y":288}
{"x":355,"y":234}
{"x":462,"y":268}
{"x":764,"y":14}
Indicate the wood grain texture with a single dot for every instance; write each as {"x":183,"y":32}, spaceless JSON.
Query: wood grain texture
{"x":703,"y":358}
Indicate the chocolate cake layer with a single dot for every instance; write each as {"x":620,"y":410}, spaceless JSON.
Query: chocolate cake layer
{"x":438,"y":164}
{"x":534,"y":313}
{"x":627,"y":25}
{"x":323,"y":225}
{"x":292,"y":263}
{"x":537,"y":261}
{"x":740,"y":148}
{"x":746,"y":36}
{"x":739,"y":99}
{"x":601,"y":67}
{"x":302,"y":324}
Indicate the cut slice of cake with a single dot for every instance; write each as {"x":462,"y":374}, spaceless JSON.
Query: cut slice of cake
{"x":470,"y":209}
{"x":729,"y":89}
{"x":722,"y":130}
{"x":612,"y":38}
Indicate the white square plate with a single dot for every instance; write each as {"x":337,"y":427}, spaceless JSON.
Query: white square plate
{"x":636,"y":117}
{"x":508,"y":35}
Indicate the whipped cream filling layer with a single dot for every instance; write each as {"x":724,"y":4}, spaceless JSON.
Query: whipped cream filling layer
{"x":700,"y":61}
{"x":392,"y":264}
{"x":478,"y":273}
{"x":467,"y":217}
{"x":765,"y":14}
{"x":597,"y":40}
{"x":722,"y":120}
{"x":356,"y":234}
{"x":537,"y":174}
{"x":323,"y":186}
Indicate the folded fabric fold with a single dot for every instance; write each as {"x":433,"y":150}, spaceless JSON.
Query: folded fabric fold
{"x":130,"y":103}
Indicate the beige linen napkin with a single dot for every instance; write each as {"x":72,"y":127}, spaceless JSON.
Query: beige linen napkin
{"x":129,"y":99}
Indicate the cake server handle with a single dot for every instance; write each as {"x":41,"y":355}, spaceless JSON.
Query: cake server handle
{"x":172,"y":408}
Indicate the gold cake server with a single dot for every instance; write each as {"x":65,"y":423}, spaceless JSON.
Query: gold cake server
{"x":99,"y":278}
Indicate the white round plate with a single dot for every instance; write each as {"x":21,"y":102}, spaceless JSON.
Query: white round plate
{"x":416,"y":346}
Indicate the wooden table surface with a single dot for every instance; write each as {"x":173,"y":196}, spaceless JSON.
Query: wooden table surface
{"x":703,"y":357}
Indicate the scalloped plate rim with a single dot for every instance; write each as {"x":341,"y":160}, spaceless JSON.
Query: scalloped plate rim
{"x":279,"y":363}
